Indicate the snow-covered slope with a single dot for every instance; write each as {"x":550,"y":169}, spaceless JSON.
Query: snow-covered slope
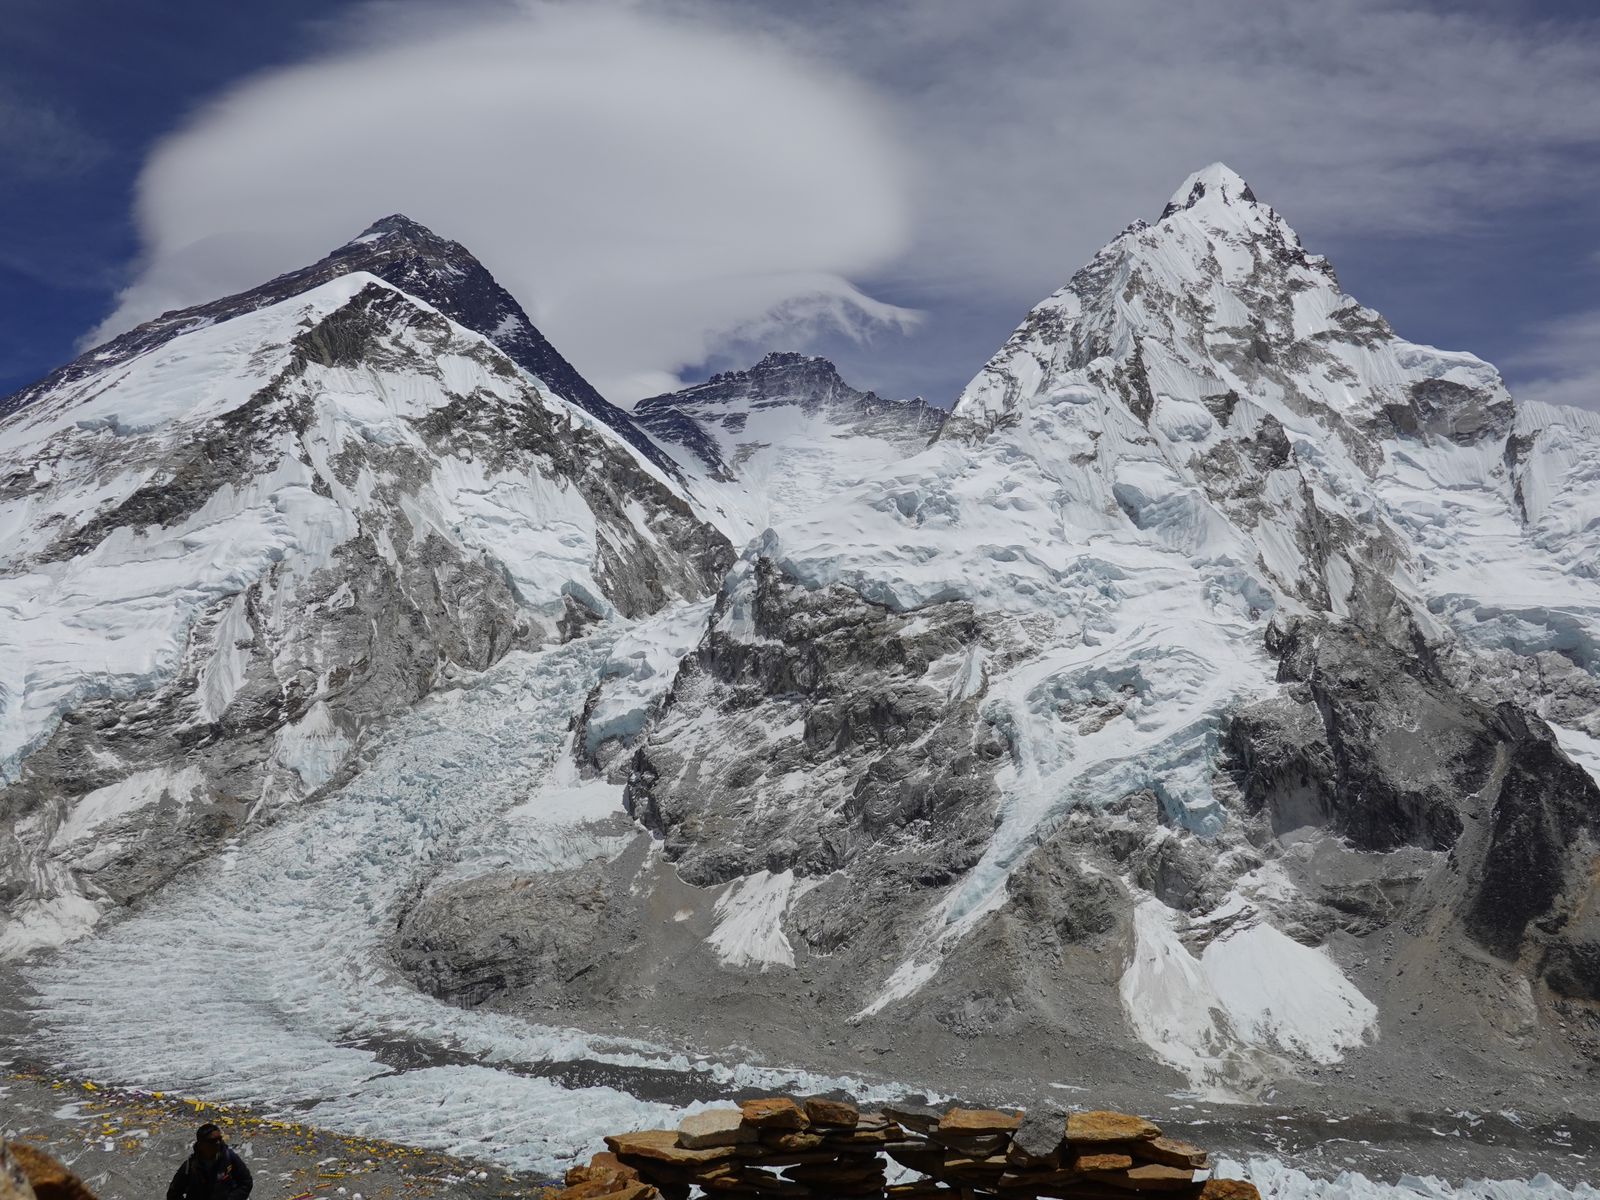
{"x":767,"y":444}
{"x":1207,"y":637}
{"x":233,"y":541}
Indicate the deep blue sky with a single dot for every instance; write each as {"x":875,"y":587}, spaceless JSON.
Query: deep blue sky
{"x":87,"y":88}
{"x":105,"y":78}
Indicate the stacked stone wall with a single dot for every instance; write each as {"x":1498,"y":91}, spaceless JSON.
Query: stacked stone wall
{"x":781,"y":1147}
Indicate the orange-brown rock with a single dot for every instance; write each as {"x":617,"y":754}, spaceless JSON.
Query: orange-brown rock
{"x":1151,"y":1177}
{"x":45,"y":1175}
{"x":1090,"y":1128}
{"x":1170,"y":1151}
{"x":774,"y":1112}
{"x":971,"y":1121}
{"x":1229,"y":1189}
{"x":594,"y":1189}
{"x":661,"y":1145}
{"x":14,"y":1184}
{"x":604,"y":1165}
{"x":1103,"y":1161}
{"x":836,"y":1114}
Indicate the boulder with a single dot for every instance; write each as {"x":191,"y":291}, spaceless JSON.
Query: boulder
{"x":714,"y":1127}
{"x":45,"y":1174}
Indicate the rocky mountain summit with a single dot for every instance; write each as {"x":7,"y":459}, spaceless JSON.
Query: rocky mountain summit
{"x":411,"y":258}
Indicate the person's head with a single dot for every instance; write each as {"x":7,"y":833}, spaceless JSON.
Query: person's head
{"x":208,"y":1141}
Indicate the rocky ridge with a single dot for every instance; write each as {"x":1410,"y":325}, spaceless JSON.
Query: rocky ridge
{"x":413,"y":259}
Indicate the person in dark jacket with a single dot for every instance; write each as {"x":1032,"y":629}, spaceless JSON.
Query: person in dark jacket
{"x":212,"y":1172}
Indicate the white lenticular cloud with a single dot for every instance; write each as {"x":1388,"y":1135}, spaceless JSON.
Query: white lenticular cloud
{"x":646,"y":185}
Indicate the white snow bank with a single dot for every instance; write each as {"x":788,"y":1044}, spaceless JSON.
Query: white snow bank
{"x":749,"y":929}
{"x":1252,"y":995}
{"x":1277,"y":1181}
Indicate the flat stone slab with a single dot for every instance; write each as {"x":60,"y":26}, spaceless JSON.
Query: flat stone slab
{"x":1150,"y":1177}
{"x":836,"y":1114}
{"x":1088,"y":1128}
{"x":1171,"y":1152}
{"x":1102,"y":1162}
{"x":968,"y":1122}
{"x":661,"y":1145}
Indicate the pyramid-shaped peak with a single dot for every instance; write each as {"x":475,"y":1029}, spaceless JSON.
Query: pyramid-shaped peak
{"x":1216,"y":184}
{"x":396,"y":225}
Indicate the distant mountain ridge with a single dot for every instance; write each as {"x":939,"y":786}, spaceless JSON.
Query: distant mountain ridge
{"x":762,"y":443}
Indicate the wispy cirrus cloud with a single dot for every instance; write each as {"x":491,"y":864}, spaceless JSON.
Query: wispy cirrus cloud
{"x":41,"y":141}
{"x":1560,"y":363}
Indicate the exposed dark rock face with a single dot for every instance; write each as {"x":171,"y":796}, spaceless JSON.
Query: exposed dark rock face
{"x":1368,"y":744}
{"x":528,"y":935}
{"x":835,"y":714}
{"x":1374,"y":752}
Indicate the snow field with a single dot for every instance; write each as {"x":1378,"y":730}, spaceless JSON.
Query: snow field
{"x":1253,"y":993}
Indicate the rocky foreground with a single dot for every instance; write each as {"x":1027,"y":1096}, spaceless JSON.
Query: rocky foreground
{"x":117,"y":1143}
{"x":779,"y":1147}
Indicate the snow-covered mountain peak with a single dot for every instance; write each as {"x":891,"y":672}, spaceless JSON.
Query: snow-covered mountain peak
{"x":768,"y":442}
{"x":1199,"y":493}
{"x":1216,"y":184}
{"x":1219,"y":299}
{"x":418,"y":261}
{"x":254,"y":532}
{"x":397,"y":225}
